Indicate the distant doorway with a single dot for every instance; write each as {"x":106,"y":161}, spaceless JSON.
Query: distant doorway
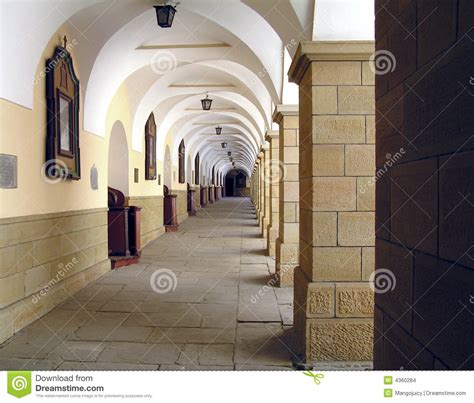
{"x":230,"y":186}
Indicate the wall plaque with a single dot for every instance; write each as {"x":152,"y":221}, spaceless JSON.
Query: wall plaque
{"x":8,"y":171}
{"x":94,"y":178}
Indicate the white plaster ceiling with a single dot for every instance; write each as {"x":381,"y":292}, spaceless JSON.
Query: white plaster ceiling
{"x":239,"y":50}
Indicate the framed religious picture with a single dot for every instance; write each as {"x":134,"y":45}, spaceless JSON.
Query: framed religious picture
{"x":150,"y":148}
{"x":62,"y":97}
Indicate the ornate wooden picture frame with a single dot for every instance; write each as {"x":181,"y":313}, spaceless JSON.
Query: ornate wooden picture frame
{"x":62,"y":99}
{"x":150,"y":148}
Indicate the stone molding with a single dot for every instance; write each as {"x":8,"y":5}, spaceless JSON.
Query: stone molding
{"x":308,"y":52}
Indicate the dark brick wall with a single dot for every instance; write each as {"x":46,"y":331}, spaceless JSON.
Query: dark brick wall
{"x":425,"y":199}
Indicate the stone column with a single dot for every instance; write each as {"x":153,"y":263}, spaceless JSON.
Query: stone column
{"x":261,"y":187}
{"x":265,"y":190}
{"x":287,"y":243}
{"x":274,"y":178}
{"x":333,"y":300}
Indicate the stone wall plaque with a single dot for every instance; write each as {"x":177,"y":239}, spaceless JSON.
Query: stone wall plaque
{"x":94,"y":178}
{"x":136,"y":175}
{"x":8,"y":171}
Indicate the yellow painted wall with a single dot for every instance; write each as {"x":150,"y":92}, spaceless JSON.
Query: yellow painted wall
{"x":23,"y":133}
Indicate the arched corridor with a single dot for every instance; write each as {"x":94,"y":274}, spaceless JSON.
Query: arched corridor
{"x":235,"y":184}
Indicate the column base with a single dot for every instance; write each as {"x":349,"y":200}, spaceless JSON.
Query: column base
{"x":322,"y":332}
{"x":171,"y":228}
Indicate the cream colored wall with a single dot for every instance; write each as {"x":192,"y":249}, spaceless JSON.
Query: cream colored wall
{"x":23,"y":133}
{"x":175,"y":186}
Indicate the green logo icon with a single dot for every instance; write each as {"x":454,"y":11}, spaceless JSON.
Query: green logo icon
{"x":19,"y":383}
{"x":387,"y":380}
{"x":316,"y":377}
{"x":387,"y":392}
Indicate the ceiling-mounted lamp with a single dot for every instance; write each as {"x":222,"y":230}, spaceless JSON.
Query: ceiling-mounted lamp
{"x":218,"y":130}
{"x":229,"y":153}
{"x":206,"y":102}
{"x":165,"y":14}
{"x":224,"y":144}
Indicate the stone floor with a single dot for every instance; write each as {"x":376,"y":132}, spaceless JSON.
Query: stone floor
{"x":219,"y":313}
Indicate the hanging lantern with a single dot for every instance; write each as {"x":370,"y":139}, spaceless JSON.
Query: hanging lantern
{"x":229,"y":153}
{"x":206,"y":103}
{"x":233,"y":164}
{"x":218,"y":130}
{"x":224,"y":144}
{"x":165,"y":15}
{"x":231,"y":159}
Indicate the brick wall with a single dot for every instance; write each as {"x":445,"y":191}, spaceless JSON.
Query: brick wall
{"x":425,"y":200}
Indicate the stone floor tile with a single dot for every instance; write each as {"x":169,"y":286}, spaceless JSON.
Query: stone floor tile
{"x":185,"y":335}
{"x":120,"y":323}
{"x":104,"y":366}
{"x":136,"y":353}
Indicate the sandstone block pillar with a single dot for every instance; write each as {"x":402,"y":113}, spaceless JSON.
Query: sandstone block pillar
{"x":265,"y":218}
{"x":274,"y":176}
{"x":333,"y":300}
{"x":287,"y":243}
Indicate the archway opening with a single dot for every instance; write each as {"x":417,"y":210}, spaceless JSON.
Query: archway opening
{"x":237,"y":184}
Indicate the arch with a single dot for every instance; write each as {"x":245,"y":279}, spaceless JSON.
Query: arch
{"x":167,"y":168}
{"x":181,"y":162}
{"x":117,"y":172}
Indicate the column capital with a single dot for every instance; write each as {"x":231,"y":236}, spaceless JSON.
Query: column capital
{"x":271,"y":134}
{"x":284,"y":110}
{"x":312,"y":51}
{"x":265,"y":147}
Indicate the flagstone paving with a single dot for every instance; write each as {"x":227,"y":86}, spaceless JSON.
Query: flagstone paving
{"x":220,"y":313}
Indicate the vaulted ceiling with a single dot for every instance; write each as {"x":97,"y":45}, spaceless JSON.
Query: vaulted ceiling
{"x":239,"y":51}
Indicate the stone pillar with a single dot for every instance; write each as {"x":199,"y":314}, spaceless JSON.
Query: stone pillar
{"x":333,"y":300}
{"x":287,"y":243}
{"x":260,"y":187}
{"x":274,"y":178}
{"x":265,"y":190}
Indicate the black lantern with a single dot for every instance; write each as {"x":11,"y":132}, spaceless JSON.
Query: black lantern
{"x":224,"y":144}
{"x":229,"y":153}
{"x":231,"y":159}
{"x":218,"y":130}
{"x":164,"y":15}
{"x":206,"y":103}
{"x":233,"y":164}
